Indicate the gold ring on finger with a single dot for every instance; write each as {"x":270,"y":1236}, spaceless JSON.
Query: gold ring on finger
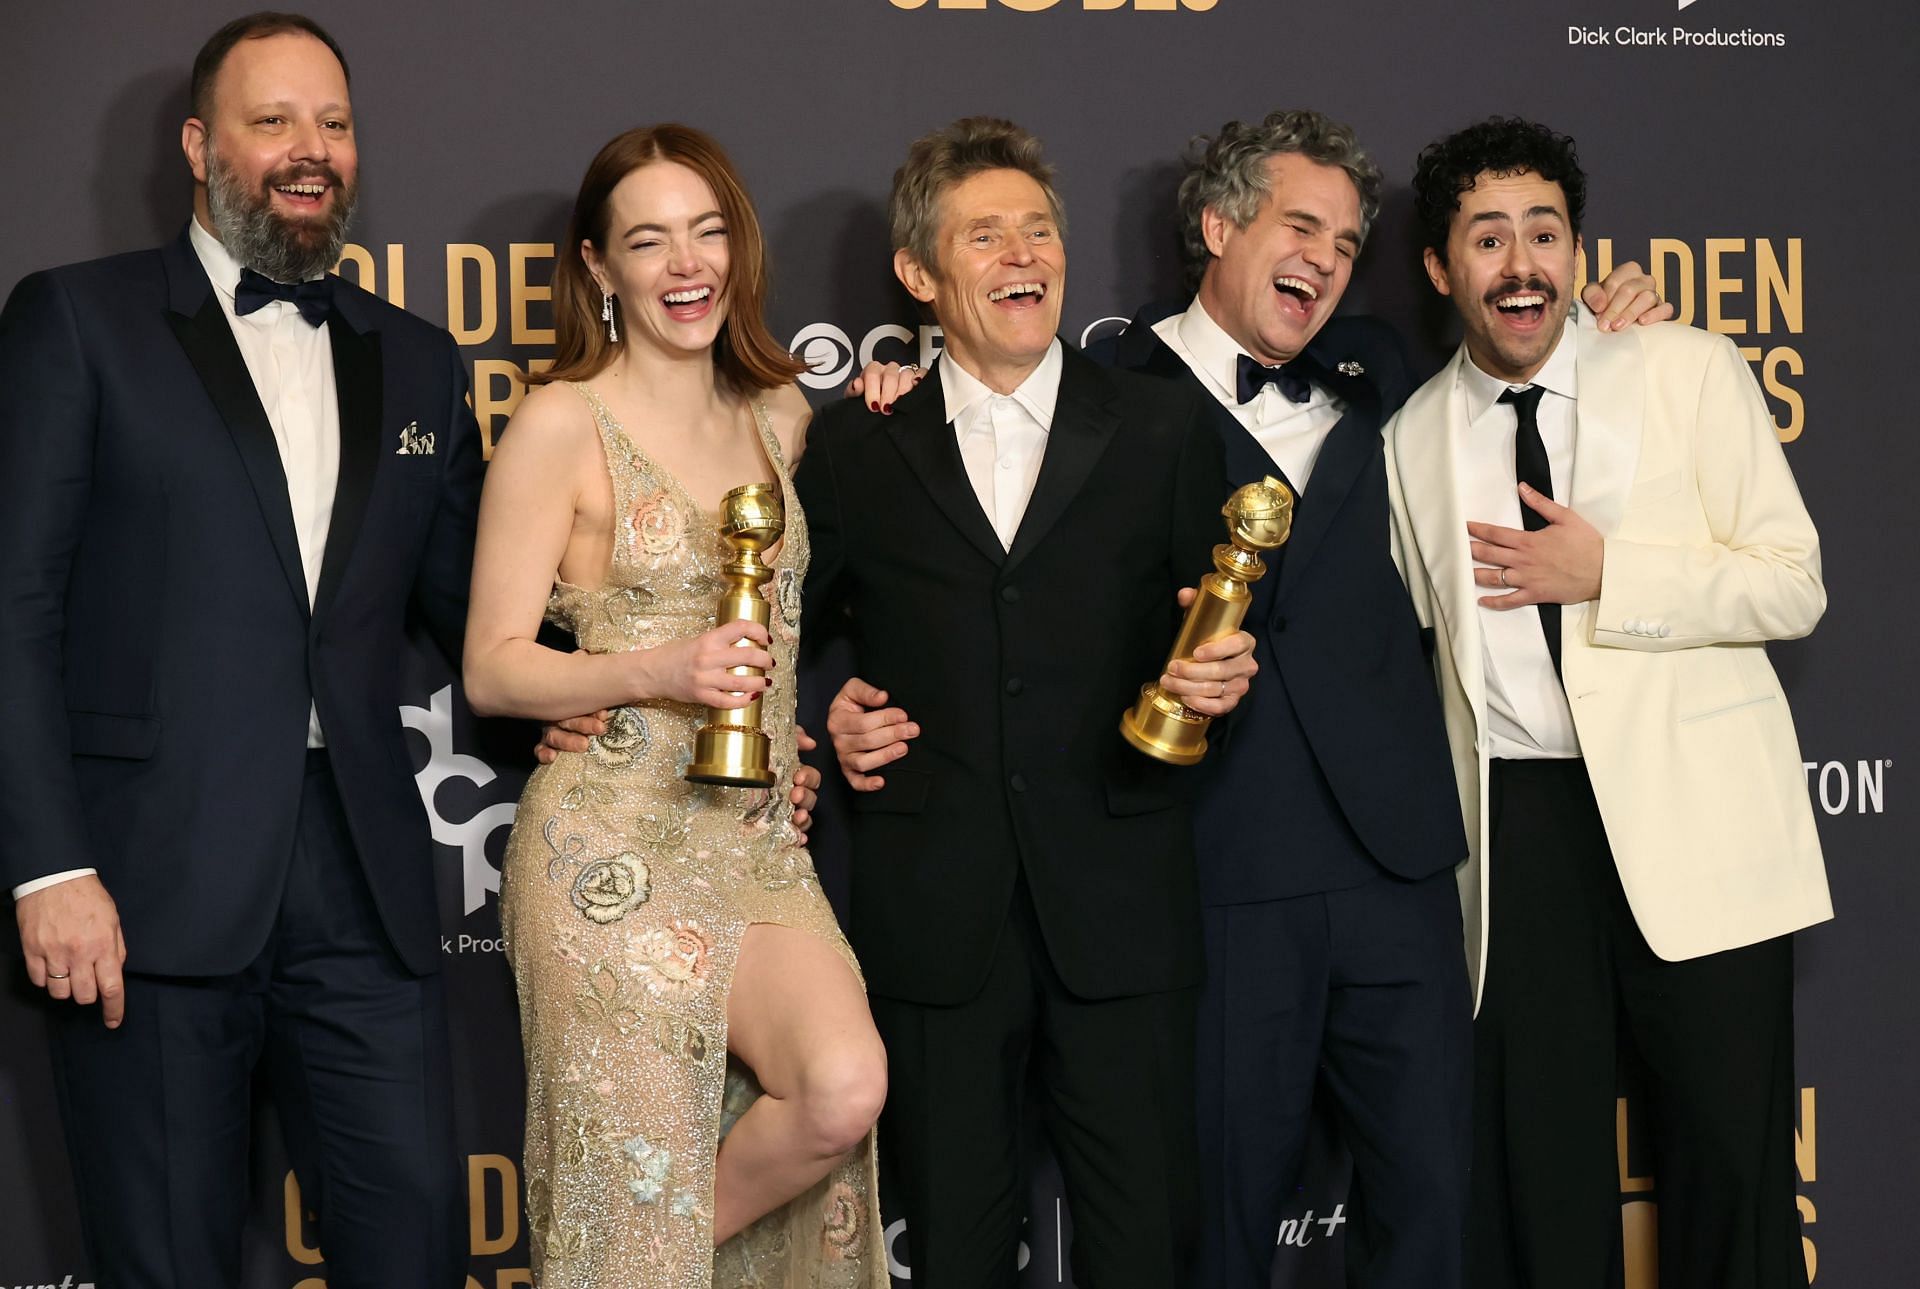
{"x":1503,"y":580}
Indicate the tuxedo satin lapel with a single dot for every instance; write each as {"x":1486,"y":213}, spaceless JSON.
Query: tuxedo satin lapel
{"x":1084,"y":422}
{"x":1611,"y":374}
{"x":208,"y":340}
{"x":1425,"y":434}
{"x":920,"y":430}
{"x":1349,"y":447}
{"x":357,"y":382}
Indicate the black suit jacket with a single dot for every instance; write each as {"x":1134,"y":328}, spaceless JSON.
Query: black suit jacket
{"x":157,"y":651}
{"x":1017,"y":665}
{"x":1335,"y":765}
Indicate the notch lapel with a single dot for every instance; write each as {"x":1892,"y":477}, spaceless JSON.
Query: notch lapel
{"x":357,"y":382}
{"x":1350,"y":445}
{"x":920,"y":431}
{"x":200,"y":325}
{"x":1425,"y":434}
{"x":1084,"y":423}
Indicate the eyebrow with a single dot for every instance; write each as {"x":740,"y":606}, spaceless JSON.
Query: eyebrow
{"x":1531,"y":212}
{"x":662,"y":228}
{"x":1030,"y":217}
{"x":1315,"y":223}
{"x":283,"y":107}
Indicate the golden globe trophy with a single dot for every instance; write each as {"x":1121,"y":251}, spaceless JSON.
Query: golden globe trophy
{"x":1259,"y":517}
{"x":731,"y":748}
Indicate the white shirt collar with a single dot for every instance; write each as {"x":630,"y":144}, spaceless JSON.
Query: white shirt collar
{"x":1214,"y":351}
{"x":222,"y":269}
{"x":1038,"y":393}
{"x":1557,"y":376}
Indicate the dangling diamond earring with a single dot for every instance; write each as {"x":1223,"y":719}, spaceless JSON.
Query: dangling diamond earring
{"x":606,"y":316}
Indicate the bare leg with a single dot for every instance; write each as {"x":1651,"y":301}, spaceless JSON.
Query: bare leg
{"x":798,"y":1017}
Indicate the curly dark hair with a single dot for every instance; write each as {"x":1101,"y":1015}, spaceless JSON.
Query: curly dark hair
{"x":1499,"y":146}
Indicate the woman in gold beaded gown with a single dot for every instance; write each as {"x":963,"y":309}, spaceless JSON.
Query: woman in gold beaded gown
{"x":702,"y":1071}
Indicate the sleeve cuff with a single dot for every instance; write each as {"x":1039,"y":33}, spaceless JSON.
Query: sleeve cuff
{"x":25,"y":889}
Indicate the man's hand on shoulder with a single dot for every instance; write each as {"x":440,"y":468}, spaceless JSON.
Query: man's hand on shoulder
{"x":70,"y":935}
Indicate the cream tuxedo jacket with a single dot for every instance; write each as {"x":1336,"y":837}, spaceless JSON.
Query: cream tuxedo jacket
{"x":1683,"y":726}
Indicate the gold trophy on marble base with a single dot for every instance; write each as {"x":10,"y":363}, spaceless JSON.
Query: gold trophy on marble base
{"x":1259,"y":517}
{"x":731,"y":748}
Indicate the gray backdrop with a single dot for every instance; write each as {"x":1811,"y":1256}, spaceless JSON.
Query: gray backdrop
{"x":1756,"y":155}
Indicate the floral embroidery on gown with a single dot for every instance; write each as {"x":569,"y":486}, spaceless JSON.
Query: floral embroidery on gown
{"x":624,"y":895}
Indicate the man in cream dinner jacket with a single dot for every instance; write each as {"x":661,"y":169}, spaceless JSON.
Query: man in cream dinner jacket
{"x":1627,"y":765}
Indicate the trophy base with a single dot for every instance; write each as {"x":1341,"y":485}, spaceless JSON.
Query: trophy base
{"x":731,"y":757}
{"x":1164,"y":729}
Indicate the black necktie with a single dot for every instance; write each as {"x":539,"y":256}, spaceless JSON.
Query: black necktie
{"x":313,"y":299}
{"x":1292,"y":378}
{"x":1531,"y":468}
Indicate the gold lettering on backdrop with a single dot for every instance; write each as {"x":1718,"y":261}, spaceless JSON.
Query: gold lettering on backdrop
{"x":480,"y":1204}
{"x":497,"y":390}
{"x":459,"y":255}
{"x":368,"y":279}
{"x":1752,"y":287}
{"x":1661,"y":251}
{"x":1039,"y":6}
{"x":521,"y":292}
{"x":1806,"y":1139}
{"x":297,"y":1220}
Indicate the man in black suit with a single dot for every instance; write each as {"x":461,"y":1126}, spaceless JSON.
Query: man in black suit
{"x":1009,"y":544}
{"x":229,"y":478}
{"x":1327,"y":826}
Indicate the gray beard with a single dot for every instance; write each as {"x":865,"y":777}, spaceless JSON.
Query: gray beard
{"x":260,"y":240}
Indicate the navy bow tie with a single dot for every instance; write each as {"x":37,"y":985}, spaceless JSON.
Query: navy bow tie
{"x":313,"y":299}
{"x":1292,"y":378}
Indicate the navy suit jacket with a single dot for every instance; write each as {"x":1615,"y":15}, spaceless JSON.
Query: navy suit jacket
{"x":157,"y":650}
{"x":1335,"y":766}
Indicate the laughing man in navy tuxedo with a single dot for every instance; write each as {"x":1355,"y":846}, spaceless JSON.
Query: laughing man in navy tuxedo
{"x":1327,"y":830}
{"x":230,"y":478}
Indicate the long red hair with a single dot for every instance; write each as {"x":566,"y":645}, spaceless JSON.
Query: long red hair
{"x":745,"y":353}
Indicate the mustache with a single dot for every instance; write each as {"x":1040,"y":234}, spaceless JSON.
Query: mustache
{"x":1539,"y":285}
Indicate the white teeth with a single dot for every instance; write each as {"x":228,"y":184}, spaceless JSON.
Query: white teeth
{"x":688,"y":297}
{"x":1522,"y":302}
{"x":1301,"y":285}
{"x":305,"y":190}
{"x":1017,"y":288}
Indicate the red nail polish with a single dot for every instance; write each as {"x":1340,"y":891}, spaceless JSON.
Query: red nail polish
{"x":873,"y":407}
{"x":887,"y":410}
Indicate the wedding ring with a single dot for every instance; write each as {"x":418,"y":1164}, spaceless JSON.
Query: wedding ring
{"x":59,"y":975}
{"x":1503,"y":580}
{"x":910,"y":367}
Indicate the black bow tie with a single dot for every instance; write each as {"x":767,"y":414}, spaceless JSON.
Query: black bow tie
{"x":1294,"y":379}
{"x":313,"y":299}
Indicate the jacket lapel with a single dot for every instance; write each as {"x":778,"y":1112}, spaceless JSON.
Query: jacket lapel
{"x":201,"y":326}
{"x":357,"y":381}
{"x":920,"y":431}
{"x":1425,"y":434}
{"x":1084,"y":422}
{"x":1350,"y":445}
{"x":1606,"y":436}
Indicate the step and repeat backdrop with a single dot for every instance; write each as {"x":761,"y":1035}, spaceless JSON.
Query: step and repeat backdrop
{"x":1751,"y":153}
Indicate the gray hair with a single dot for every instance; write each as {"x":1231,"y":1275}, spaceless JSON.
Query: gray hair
{"x":949,"y":155}
{"x":1229,"y":173}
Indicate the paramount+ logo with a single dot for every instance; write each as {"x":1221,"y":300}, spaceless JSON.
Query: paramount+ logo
{"x":1040,"y":6}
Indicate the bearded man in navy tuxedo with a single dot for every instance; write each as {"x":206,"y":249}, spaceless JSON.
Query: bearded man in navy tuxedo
{"x":230,"y":478}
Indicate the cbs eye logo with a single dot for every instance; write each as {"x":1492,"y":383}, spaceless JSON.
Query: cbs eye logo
{"x":832,"y":356}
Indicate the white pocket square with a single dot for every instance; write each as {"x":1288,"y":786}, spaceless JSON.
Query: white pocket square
{"x":413,"y":443}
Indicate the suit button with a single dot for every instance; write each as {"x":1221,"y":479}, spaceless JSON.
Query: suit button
{"x":1631,"y":626}
{"x":1011,"y":594}
{"x":1015,"y":685}
{"x":1665,"y":630}
{"x":1018,"y":783}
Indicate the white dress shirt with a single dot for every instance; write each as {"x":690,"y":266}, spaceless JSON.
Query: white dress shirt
{"x":291,"y":363}
{"x":1527,"y":713}
{"x":1292,"y":434}
{"x":1002,"y":437}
